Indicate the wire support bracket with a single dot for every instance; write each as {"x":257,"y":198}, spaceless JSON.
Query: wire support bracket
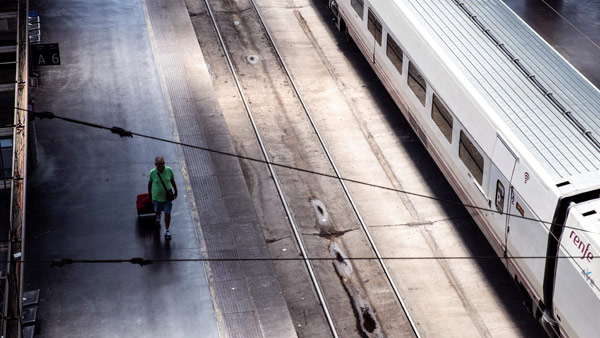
{"x":121,"y":132}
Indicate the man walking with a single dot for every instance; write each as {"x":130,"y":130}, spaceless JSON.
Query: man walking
{"x":160,"y":181}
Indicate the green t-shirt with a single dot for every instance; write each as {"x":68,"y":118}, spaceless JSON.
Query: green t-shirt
{"x":158,"y":191}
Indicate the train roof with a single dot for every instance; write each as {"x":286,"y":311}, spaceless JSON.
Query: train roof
{"x":536,"y":118}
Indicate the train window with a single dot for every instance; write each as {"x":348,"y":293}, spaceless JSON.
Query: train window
{"x":442,"y":117}
{"x":416,"y":82}
{"x":499,"y":196}
{"x":394,"y":53}
{"x":374,"y":27}
{"x":471,"y":157}
{"x":358,"y":6}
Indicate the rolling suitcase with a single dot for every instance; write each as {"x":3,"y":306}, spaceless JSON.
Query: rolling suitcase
{"x":144,"y":205}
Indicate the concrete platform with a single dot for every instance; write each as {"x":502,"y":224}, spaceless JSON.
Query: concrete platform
{"x":81,"y":197}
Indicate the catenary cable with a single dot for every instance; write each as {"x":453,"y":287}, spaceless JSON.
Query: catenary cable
{"x":60,"y":262}
{"x":144,"y":261}
{"x":126,"y":133}
{"x":571,"y":24}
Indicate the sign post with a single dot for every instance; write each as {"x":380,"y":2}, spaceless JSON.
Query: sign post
{"x":45,"y":54}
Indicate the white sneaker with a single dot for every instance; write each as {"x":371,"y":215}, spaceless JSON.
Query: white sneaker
{"x":167,"y":234}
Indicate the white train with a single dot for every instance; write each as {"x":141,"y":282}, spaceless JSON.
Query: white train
{"x":513,"y":127}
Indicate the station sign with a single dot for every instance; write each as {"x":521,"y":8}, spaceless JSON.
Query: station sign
{"x":45,"y":54}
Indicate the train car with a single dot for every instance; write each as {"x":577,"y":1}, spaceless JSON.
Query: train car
{"x":512,"y":126}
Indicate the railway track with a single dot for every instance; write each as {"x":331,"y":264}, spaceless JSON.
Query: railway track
{"x":364,"y":309}
{"x":293,"y":225}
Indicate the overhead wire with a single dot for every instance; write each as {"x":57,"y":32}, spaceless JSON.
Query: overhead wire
{"x":60,"y":262}
{"x":127,"y":133}
{"x":571,"y":24}
{"x":142,"y":261}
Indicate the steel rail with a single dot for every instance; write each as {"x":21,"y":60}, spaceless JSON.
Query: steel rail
{"x":337,"y":173}
{"x":274,"y":176}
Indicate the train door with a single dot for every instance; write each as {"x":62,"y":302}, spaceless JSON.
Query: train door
{"x":501,"y":171}
{"x":376,"y":30}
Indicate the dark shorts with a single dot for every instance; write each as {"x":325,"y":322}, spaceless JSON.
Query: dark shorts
{"x":162,"y":206}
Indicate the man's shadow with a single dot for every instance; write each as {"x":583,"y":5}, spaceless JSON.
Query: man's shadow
{"x":148,"y":231}
{"x":155,"y":245}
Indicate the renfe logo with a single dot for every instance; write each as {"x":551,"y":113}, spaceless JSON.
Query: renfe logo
{"x":582,"y":247}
